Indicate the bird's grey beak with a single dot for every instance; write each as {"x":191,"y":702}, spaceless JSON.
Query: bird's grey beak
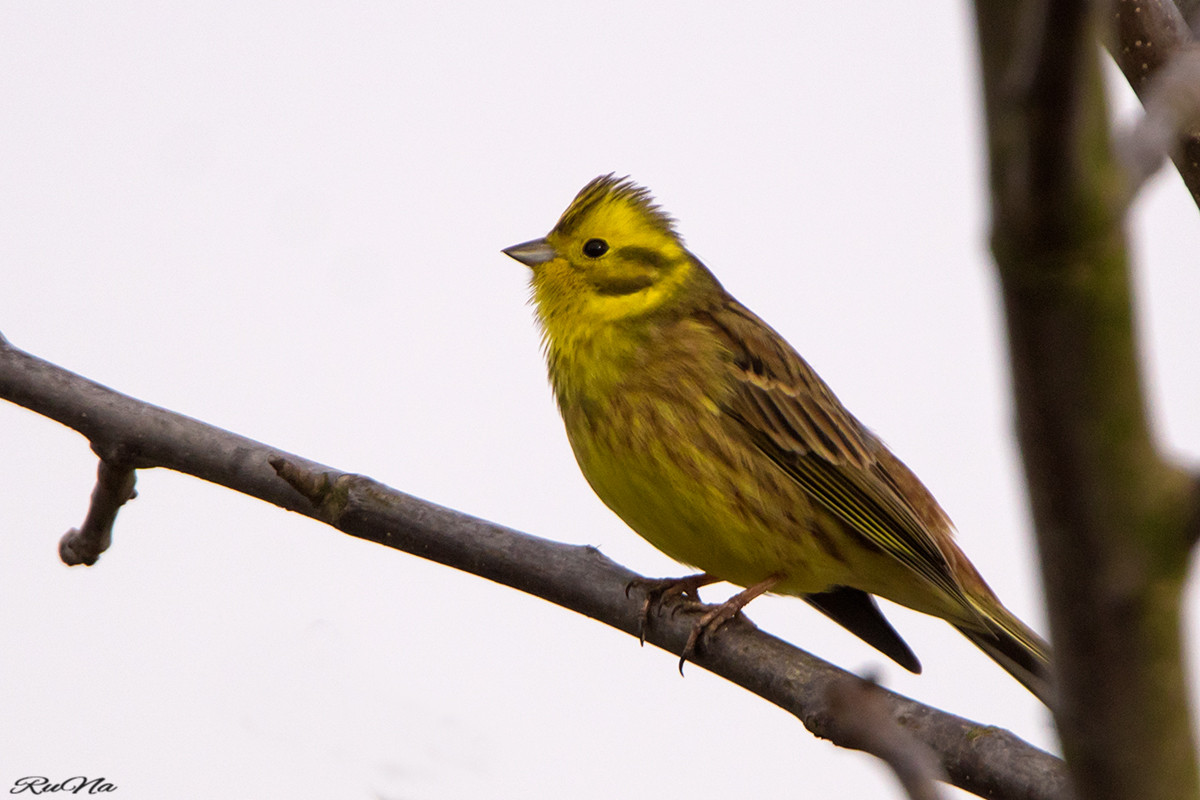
{"x":531,"y":253}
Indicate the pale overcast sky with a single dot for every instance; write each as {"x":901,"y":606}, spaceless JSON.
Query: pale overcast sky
{"x":286,"y":220}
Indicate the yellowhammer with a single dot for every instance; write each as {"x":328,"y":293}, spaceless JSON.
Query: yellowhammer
{"x":712,"y":438}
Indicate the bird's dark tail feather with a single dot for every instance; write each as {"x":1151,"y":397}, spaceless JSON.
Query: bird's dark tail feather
{"x":857,"y":612}
{"x":1026,"y":658}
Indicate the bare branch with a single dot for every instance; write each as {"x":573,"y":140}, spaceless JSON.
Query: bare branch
{"x":1191,"y":525}
{"x":1110,"y":509}
{"x":1172,"y":107}
{"x":862,"y":715}
{"x":1041,"y":79}
{"x":981,"y":759}
{"x":1148,"y":34}
{"x":114,"y":488}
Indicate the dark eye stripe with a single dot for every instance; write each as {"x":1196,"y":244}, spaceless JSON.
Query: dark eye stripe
{"x":643,"y":255}
{"x":614,"y":287}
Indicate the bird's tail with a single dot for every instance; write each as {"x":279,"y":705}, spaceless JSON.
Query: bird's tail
{"x":1012,"y":645}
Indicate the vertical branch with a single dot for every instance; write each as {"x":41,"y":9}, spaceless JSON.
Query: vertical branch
{"x":114,"y":488}
{"x":1111,"y":513}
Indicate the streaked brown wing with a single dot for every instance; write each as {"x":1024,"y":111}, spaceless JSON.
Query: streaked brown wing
{"x":797,"y":421}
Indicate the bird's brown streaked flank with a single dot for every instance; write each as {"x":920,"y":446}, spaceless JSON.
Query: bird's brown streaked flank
{"x":711,"y":437}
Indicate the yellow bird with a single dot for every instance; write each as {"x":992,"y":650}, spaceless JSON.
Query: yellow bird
{"x":712,"y":438}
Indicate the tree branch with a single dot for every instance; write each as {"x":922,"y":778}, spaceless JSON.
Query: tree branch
{"x":867,"y":722}
{"x":1172,"y":105}
{"x":1111,"y":512}
{"x":1149,"y":34}
{"x":1191,"y":525}
{"x":987,"y":761}
{"x":114,"y":488}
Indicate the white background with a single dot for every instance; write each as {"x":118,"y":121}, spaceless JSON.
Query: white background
{"x":286,"y":220}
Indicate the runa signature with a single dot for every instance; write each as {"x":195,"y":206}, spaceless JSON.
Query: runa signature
{"x":37,"y":784}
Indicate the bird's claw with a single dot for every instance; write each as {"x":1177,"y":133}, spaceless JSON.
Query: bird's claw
{"x":718,"y":615}
{"x":707,"y":625}
{"x":658,"y":590}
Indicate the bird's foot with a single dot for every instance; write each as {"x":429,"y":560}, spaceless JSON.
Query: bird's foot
{"x":718,"y":615}
{"x":658,"y":590}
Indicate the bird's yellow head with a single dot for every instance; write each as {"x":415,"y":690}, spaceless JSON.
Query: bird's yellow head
{"x":613,"y":256}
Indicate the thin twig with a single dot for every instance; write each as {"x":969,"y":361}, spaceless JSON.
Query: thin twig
{"x":114,"y":488}
{"x":863,"y":716}
{"x":1172,"y":108}
{"x":1148,"y":34}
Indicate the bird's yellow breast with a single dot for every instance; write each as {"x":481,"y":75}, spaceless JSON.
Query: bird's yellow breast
{"x":644,"y":418}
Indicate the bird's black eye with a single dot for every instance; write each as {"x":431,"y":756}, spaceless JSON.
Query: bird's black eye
{"x":594,"y":248}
